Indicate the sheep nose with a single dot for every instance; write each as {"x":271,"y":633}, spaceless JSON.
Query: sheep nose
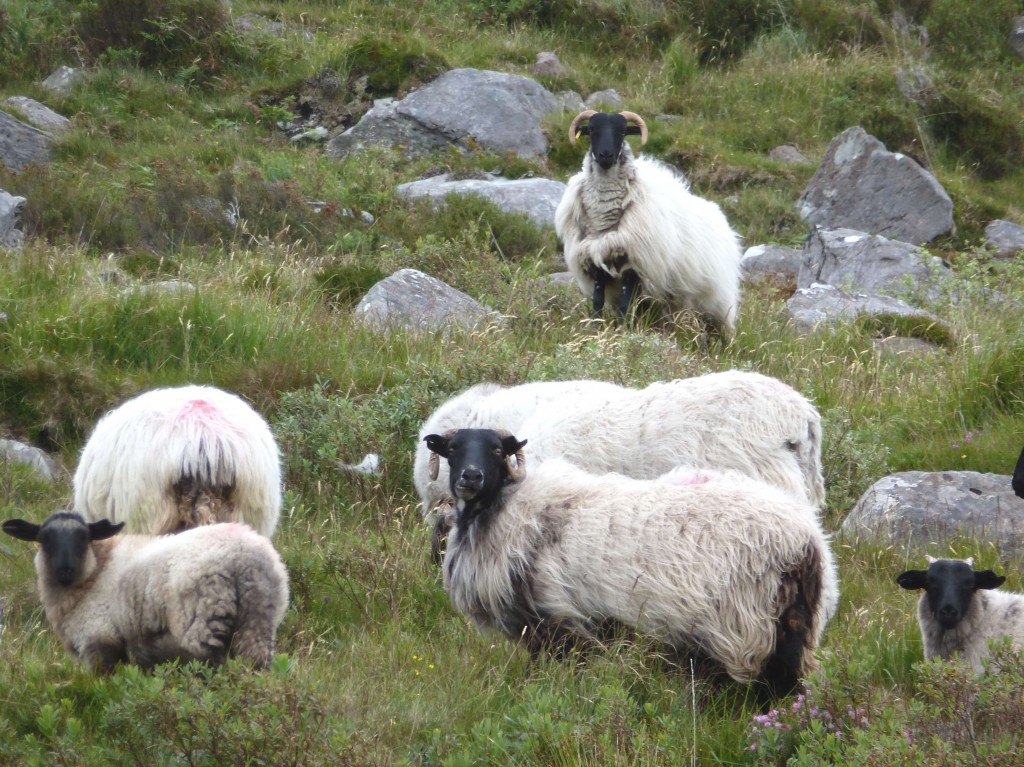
{"x":605,"y":159}
{"x":472,"y":476}
{"x":65,"y":575}
{"x":947,"y":616}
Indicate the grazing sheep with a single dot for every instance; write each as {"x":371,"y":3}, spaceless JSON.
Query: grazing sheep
{"x":179,"y":457}
{"x":206,"y":594}
{"x":959,"y":614}
{"x":627,"y":222}
{"x":1018,"y":476}
{"x":733,"y":570}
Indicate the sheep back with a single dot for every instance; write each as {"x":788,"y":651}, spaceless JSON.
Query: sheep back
{"x":205,"y":594}
{"x":179,"y":457}
{"x":711,"y":566}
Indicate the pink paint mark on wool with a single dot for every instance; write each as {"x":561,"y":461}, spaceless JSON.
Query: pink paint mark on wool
{"x":199,"y":410}
{"x":694,"y":477}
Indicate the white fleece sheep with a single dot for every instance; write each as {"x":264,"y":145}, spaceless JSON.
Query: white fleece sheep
{"x":206,"y":594}
{"x":734,"y":570}
{"x":490,"y":406}
{"x":959,"y":614}
{"x":175,"y":458}
{"x":624,"y":218}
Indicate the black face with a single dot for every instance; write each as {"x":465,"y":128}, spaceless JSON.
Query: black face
{"x":949,"y":585}
{"x":607,"y":132}
{"x":64,"y":542}
{"x":476,"y":463}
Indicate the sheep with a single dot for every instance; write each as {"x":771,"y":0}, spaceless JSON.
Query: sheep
{"x":174,"y":458}
{"x":958,"y":612}
{"x":1018,"y":477}
{"x":205,"y":594}
{"x":626,"y":222}
{"x":734,"y":570}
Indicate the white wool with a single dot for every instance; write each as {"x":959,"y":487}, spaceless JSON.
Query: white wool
{"x":141,"y":449}
{"x":682,"y":246}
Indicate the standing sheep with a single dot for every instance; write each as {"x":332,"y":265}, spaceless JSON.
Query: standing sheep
{"x":179,"y":457}
{"x":958,"y":612}
{"x":206,"y":594}
{"x":627,"y":222}
{"x":730,"y":570}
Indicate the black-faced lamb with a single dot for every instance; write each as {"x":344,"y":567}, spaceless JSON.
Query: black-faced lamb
{"x":178,"y":457}
{"x":207,"y":594}
{"x":959,"y":613}
{"x":628,"y":223}
{"x":732,"y":570}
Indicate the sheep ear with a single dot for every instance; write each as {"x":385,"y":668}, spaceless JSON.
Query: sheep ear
{"x":510,"y":445}
{"x":583,"y":131}
{"x":633,"y":130}
{"x":437,"y":443}
{"x":912,"y":579}
{"x":986,"y":579}
{"x":22,"y":530}
{"x":104,"y":529}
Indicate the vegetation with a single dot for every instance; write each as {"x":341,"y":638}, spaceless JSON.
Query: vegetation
{"x":176,"y":169}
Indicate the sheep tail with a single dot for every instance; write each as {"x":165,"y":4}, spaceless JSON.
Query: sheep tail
{"x":198,"y":503}
{"x":800,"y":594}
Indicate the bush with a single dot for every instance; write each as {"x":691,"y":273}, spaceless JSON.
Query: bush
{"x":964,"y":35}
{"x":978,"y":128}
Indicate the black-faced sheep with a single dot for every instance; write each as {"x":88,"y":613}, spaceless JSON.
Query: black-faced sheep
{"x":174,"y":458}
{"x":958,"y":612}
{"x":628,"y":222}
{"x":731,"y":570}
{"x":206,"y":594}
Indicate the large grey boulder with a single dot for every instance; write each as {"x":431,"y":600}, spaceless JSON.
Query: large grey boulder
{"x":866,"y":263}
{"x":416,"y":301}
{"x":467,"y":108}
{"x":861,"y":185}
{"x":537,"y":198}
{"x":39,"y":115}
{"x":923,"y":511}
{"x":11,"y":237}
{"x":1004,"y":237}
{"x":21,"y":144}
{"x":18,"y":452}
{"x":828,"y":305}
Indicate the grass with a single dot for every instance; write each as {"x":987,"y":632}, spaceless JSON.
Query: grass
{"x":375,"y":667}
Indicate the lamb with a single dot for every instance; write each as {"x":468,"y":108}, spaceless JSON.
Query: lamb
{"x":627,"y":222}
{"x":959,"y":614}
{"x":205,"y":594}
{"x":734,"y":570}
{"x":178,"y":457}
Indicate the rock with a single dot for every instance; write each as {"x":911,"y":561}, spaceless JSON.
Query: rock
{"x":21,"y":144}
{"x":39,"y":115}
{"x":548,"y":65}
{"x":1004,"y":237}
{"x":861,"y":185}
{"x":1017,"y":36}
{"x":537,"y":198}
{"x":923,"y":511}
{"x":607,"y":100}
{"x":829,"y":305}
{"x":11,"y":237}
{"x":63,"y":79}
{"x":868,"y":263}
{"x":468,"y":108}
{"x":570,"y":101}
{"x":416,"y":301}
{"x":771,"y":264}
{"x":17,"y":452}
{"x":788,"y":154}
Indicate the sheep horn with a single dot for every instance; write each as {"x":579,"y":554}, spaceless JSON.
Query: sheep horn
{"x":584,"y":115}
{"x":635,"y":118}
{"x":518,"y":471}
{"x":434,"y":461}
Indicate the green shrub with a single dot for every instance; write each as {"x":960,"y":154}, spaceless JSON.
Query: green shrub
{"x":834,"y":26}
{"x":978,"y":127}
{"x":964,"y":35}
{"x":392,"y":64}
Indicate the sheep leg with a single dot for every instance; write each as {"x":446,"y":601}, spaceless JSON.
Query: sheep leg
{"x":627,"y":293}
{"x":601,"y":280}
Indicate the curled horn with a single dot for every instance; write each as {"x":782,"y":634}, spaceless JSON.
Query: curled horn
{"x":584,"y":115}
{"x":518,"y":471}
{"x":635,"y":118}
{"x":434,"y":461}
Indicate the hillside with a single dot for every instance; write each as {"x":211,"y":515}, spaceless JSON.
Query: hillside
{"x":178,"y":167}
